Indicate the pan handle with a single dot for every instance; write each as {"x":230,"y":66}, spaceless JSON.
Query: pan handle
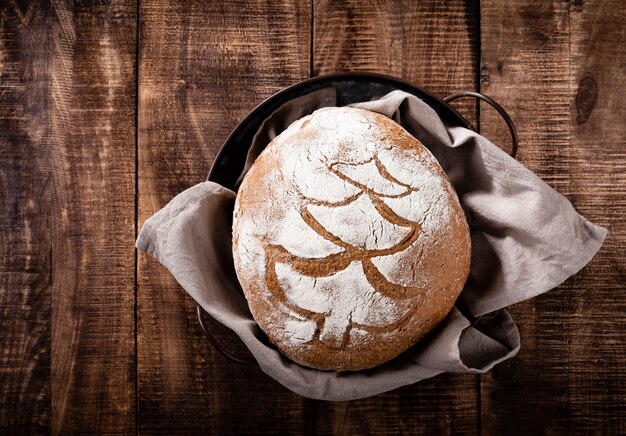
{"x":507,"y":119}
{"x":216,"y":345}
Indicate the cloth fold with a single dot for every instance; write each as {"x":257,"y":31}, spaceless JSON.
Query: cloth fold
{"x":526,"y":239}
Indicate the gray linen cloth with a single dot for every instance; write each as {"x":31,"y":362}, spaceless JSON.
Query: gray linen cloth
{"x":526,"y":239}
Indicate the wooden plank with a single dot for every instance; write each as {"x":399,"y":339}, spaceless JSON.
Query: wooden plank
{"x":67,"y":269}
{"x":91,"y":129}
{"x":25,"y":244}
{"x":432,"y":44}
{"x":203,"y":66}
{"x":558,"y":67}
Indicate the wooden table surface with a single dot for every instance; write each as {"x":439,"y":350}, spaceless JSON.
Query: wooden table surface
{"x":109,"y":109}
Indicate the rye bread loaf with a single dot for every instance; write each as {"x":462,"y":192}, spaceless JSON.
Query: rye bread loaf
{"x":349,"y":241}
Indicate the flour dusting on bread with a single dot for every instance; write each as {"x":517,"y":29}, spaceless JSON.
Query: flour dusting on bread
{"x":349,"y":241}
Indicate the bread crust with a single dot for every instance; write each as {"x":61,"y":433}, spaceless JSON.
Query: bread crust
{"x":349,"y":241}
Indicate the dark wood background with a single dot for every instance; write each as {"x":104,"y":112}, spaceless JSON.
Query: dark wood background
{"x":109,"y":109}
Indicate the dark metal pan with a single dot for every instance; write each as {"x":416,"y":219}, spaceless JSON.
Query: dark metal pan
{"x":351,"y":88}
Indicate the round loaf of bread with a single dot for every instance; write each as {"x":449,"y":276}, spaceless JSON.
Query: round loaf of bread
{"x":349,"y":240}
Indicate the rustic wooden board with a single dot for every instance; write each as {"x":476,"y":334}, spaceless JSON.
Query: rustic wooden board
{"x":203,"y":66}
{"x":91,"y":98}
{"x":69,"y":166}
{"x":25,"y":242}
{"x":432,"y":44}
{"x":68,"y":99}
{"x":558,"y":67}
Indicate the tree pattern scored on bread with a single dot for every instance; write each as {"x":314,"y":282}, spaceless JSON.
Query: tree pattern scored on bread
{"x":333,"y":325}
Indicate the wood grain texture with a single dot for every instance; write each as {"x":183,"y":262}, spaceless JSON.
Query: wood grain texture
{"x":432,"y":44}
{"x":443,"y":405}
{"x":558,"y":68}
{"x":203,"y":66}
{"x":68,"y":91}
{"x":91,"y":102}
{"x":25,"y":243}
